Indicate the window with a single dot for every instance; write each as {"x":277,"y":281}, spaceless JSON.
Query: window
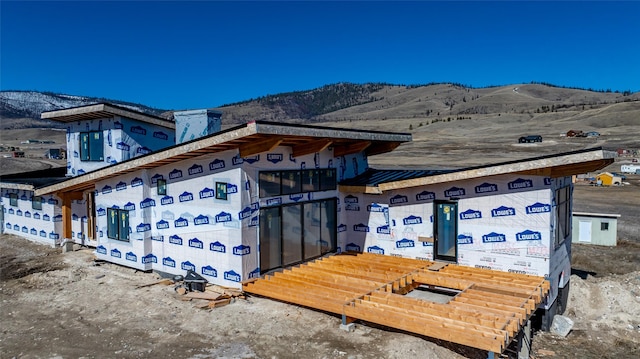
{"x":118,"y":226}
{"x":162,"y":186}
{"x":604,"y":226}
{"x":91,"y":146}
{"x":275,"y":183}
{"x":221,"y":190}
{"x":13,"y":199}
{"x":563,"y":214}
{"x":36,"y":202}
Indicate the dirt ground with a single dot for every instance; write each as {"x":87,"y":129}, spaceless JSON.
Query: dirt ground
{"x":56,"y":305}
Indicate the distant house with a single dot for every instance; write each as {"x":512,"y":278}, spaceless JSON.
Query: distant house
{"x":530,"y":139}
{"x":608,"y":179}
{"x":592,"y":134}
{"x":575,"y":133}
{"x":595,"y":228}
{"x":55,"y":153}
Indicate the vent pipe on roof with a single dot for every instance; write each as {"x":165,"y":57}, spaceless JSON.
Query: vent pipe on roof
{"x":194,"y":124}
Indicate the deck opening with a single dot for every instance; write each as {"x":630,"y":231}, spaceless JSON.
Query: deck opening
{"x":433,"y":293}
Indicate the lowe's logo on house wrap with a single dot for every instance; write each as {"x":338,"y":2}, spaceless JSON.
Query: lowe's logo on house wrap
{"x":274,"y":201}
{"x":216,"y":164}
{"x":455,"y":192}
{"x":19,"y":213}
{"x":503,"y":211}
{"x":33,"y":231}
{"x":375,"y":249}
{"x":147,"y":202}
{"x":486,"y":188}
{"x":398,"y":199}
{"x":123,"y":146}
{"x":376,"y":208}
{"x":241,"y":250}
{"x":194,"y":170}
{"x":528,"y":235}
{"x":201,"y":219}
{"x":52,"y":201}
{"x":36,"y":215}
{"x":43,"y":234}
{"x":161,"y":135}
{"x":465,"y":239}
{"x":181,"y":222}
{"x":350,"y":199}
{"x":25,"y":229}
{"x":106,"y":189}
{"x":231,"y":188}
{"x":166,"y":200}
{"x":143,"y":150}
{"x":168,"y":262}
{"x":136,"y":182}
{"x":361,"y":227}
{"x":296,"y":197}
{"x":27,"y":214}
{"x":176,"y":173}
{"x":254,"y":221}
{"x":207,"y":193}
{"x":232,"y":276}
{"x":425,"y":196}
{"x":12,"y":211}
{"x":494,"y":237}
{"x":274,"y":157}
{"x":383,"y":230}
{"x":538,"y":208}
{"x":118,"y":125}
{"x":547,"y":181}
{"x":157,"y":238}
{"x":130,"y":256}
{"x":186,"y":197}
{"x":121,"y":186}
{"x":218,"y":247}
{"x":156,"y":177}
{"x":255,"y":273}
{"x":175,"y":239}
{"x":236,"y":160}
{"x":116,"y":253}
{"x":101,"y":212}
{"x":405,"y":243}
{"x":196,"y":243}
{"x":351,"y":207}
{"x":210,"y":271}
{"x":139,"y":130}
{"x":76,"y":154}
{"x":101,"y":250}
{"x":412,"y":220}
{"x":129,"y":206}
{"x":470,"y":214}
{"x":352,"y":247}
{"x":245,"y":213}
{"x":342,"y":228}
{"x":520,"y":183}
{"x":252,"y":159}
{"x":223,"y":217}
{"x":81,"y":172}
{"x":186,"y":265}
{"x":57,"y":218}
{"x":45,"y":217}
{"x":149,"y":258}
{"x":143,"y":227}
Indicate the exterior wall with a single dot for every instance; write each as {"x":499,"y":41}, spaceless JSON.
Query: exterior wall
{"x":79,"y":223}
{"x":629,"y":168}
{"x":123,"y":139}
{"x":189,"y":228}
{"x":596,"y":235}
{"x":43,"y":226}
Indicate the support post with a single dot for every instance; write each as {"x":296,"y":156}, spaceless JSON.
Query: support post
{"x":66,"y":216}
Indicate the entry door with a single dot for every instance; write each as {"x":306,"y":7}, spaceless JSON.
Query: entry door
{"x":91,"y":216}
{"x":445,"y":231}
{"x":270,"y":235}
{"x":585,"y":231}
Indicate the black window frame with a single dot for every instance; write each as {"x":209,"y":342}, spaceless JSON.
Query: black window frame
{"x":161,"y":187}
{"x":88,"y":154}
{"x":604,"y":226}
{"x":221,"y":190}
{"x":36,"y":203}
{"x":327,"y":181}
{"x":121,"y":229}
{"x":563,"y":214}
{"x":13,"y":199}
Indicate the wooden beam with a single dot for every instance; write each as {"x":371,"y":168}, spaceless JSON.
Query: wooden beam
{"x":311,"y":147}
{"x":66,"y":215}
{"x":253,"y":148}
{"x":342,"y":150}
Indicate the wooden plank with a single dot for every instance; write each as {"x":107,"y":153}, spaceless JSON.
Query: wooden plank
{"x":310,"y":147}
{"x":253,"y":148}
{"x":342,"y":150}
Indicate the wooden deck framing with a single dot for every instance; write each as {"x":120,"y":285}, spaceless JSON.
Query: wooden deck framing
{"x":488,"y":312}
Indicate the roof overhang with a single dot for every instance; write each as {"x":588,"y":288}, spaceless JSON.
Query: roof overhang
{"x":18,"y":186}
{"x":553,"y":166}
{"x":249,"y":139}
{"x":103,"y":110}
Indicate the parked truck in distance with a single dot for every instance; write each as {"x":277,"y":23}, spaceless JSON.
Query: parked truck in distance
{"x":530,"y":139}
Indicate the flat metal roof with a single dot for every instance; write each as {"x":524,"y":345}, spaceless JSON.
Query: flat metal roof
{"x":250,"y":138}
{"x":103,"y":110}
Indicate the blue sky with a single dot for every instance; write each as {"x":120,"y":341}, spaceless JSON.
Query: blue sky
{"x":184,"y":55}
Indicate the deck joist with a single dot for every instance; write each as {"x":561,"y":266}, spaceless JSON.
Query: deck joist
{"x":488,"y":312}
